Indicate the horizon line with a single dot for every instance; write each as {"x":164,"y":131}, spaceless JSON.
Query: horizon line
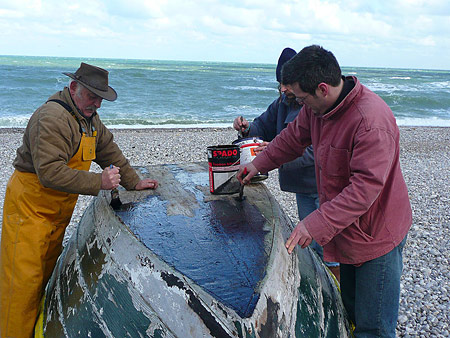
{"x":208,"y":61}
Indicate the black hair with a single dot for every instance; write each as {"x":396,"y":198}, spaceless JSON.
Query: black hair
{"x":310,"y":67}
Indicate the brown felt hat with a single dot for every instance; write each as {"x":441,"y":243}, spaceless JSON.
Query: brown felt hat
{"x":95,"y":79}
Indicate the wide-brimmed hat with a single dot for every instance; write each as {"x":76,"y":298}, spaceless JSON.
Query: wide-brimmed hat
{"x":286,"y":55}
{"x":95,"y":79}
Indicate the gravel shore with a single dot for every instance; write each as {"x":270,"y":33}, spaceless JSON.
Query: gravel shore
{"x":425,"y":159}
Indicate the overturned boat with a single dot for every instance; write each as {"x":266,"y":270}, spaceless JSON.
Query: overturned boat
{"x":181,"y":262}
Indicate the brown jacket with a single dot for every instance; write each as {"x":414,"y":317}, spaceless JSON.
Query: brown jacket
{"x":53,"y":136}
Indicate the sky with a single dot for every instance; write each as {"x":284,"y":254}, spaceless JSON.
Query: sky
{"x":360,"y":33}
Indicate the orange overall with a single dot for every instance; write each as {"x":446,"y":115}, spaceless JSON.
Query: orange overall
{"x":34,"y":222}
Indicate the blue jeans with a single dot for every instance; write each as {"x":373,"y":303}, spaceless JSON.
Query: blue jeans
{"x":306,"y":204}
{"x":371,"y":294}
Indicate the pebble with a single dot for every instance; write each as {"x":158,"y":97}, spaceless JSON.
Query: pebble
{"x":424,"y":309}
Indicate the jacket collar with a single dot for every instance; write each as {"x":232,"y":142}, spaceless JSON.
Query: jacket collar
{"x":342,"y":106}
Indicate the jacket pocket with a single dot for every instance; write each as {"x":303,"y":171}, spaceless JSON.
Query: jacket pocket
{"x":337,"y":163}
{"x":365,"y":235}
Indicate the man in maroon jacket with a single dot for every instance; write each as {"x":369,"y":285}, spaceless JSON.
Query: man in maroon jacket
{"x":364,"y":213}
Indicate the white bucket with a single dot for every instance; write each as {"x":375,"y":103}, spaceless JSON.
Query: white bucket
{"x":247,"y":148}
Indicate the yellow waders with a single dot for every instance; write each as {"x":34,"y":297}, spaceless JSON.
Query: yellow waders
{"x":34,"y":221}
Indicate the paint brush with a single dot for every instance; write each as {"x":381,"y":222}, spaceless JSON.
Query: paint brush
{"x":241,"y":189}
{"x":115,"y":200}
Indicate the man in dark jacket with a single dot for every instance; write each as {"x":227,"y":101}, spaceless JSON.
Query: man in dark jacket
{"x":297,"y":176}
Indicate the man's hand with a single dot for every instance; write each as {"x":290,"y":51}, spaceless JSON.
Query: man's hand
{"x":110,"y":178}
{"x":240,"y":124}
{"x":261,"y":147}
{"x":248,"y":170}
{"x":300,"y":236}
{"x":146,"y":183}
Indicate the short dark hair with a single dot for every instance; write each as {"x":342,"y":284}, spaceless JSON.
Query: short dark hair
{"x":310,"y":67}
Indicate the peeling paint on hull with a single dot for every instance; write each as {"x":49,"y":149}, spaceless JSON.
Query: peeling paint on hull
{"x":180,"y":262}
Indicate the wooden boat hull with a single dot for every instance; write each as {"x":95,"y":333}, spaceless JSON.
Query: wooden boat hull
{"x":180,"y":262}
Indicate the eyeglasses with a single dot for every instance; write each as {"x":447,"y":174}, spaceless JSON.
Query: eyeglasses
{"x":301,"y":100}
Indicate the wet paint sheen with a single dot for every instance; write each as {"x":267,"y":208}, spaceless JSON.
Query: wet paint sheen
{"x":221,"y":247}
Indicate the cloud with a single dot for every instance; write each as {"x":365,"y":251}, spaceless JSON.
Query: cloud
{"x":233,"y":30}
{"x":10,"y":14}
{"x":136,"y":9}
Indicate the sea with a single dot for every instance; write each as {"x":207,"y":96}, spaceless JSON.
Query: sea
{"x":186,"y":94}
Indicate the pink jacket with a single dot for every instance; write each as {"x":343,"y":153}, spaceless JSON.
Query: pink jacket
{"x":364,"y":205}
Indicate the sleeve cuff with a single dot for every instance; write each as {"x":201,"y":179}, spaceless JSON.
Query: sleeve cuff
{"x":320,"y":230}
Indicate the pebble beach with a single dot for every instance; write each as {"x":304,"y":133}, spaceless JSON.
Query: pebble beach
{"x":425,"y":159}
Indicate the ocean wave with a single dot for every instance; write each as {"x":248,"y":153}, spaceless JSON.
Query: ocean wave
{"x":171,"y":126}
{"x":246,"y":88}
{"x":423,"y":122}
{"x":445,"y":85}
{"x":401,"y":121}
{"x":389,"y":87}
{"x":183,"y":94}
{"x":187,"y":120}
{"x":400,"y":78}
{"x":14,"y":121}
{"x":406,"y":122}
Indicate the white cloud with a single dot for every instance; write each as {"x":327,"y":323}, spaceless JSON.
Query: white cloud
{"x":10,"y":14}
{"x":427,"y":41}
{"x":234,"y":30}
{"x":427,"y":7}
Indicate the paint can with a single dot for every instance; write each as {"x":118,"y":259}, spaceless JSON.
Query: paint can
{"x":247,"y":148}
{"x":223,"y":164}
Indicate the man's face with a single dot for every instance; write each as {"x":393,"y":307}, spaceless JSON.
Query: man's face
{"x":289,"y":95}
{"x":85,"y":100}
{"x":312,"y":101}
{"x":285,"y":90}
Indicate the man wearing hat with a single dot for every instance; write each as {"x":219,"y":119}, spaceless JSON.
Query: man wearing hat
{"x":297,"y":176}
{"x":62,"y":138}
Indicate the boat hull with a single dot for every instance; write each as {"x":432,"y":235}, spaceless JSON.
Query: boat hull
{"x":180,"y":262}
